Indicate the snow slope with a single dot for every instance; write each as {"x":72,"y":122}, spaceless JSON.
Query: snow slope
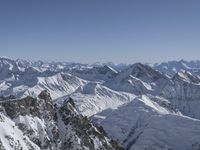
{"x":94,"y":97}
{"x":143,"y":124}
{"x":58,"y":85}
{"x":183,"y":93}
{"x":12,"y":138}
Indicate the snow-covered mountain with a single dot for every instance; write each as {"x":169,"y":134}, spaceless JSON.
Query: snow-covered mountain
{"x":99,"y":106}
{"x":96,"y":73}
{"x":32,"y":83}
{"x":172,"y":67}
{"x":139,"y":79}
{"x":183,"y":92}
{"x":94,"y":97}
{"x":144,"y":124}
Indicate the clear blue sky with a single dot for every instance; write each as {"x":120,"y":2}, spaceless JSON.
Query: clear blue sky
{"x":100,"y":30}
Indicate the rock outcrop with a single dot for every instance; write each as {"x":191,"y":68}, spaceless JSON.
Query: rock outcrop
{"x":49,"y":127}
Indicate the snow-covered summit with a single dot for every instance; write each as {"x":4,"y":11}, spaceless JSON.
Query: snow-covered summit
{"x":186,"y":76}
{"x":96,"y":73}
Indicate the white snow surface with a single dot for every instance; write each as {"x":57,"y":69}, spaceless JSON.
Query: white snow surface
{"x":93,"y":98}
{"x":12,"y":138}
{"x":143,"y":124}
{"x":139,"y":106}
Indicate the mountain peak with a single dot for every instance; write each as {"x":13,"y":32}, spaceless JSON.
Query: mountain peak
{"x":142,"y":71}
{"x":186,"y":76}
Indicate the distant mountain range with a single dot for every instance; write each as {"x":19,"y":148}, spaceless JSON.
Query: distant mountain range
{"x":59,"y":105}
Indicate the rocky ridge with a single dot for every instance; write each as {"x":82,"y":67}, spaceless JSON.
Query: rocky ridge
{"x":49,"y":127}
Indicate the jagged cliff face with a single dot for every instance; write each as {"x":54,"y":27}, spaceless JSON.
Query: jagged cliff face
{"x":183,"y":93}
{"x":35,"y":118}
{"x":38,"y":124}
{"x":83,"y":134}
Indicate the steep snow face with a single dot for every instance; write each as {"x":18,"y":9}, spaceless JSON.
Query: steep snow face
{"x":96,"y":73}
{"x":12,"y":138}
{"x":35,"y":118}
{"x":182,"y":86}
{"x":129,"y":84}
{"x":58,"y":85}
{"x":93,"y":97}
{"x":36,"y":129}
{"x":144,"y":124}
{"x":183,"y":92}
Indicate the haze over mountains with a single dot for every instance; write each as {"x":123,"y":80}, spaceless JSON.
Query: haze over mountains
{"x":59,"y":105}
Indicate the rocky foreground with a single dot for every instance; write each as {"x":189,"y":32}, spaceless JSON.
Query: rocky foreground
{"x":36,"y":123}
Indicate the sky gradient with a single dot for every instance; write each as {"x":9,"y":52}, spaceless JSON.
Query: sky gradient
{"x":88,"y":31}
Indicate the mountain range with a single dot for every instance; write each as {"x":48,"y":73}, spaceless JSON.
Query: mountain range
{"x":101,"y":106}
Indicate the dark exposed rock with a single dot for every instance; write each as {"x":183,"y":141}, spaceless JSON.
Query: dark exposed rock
{"x":192,"y":78}
{"x":45,"y":95}
{"x":33,"y":107}
{"x":22,"y":107}
{"x":70,"y":100}
{"x":140,"y":70}
{"x":77,"y":127}
{"x":84,"y":130}
{"x":2,"y":98}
